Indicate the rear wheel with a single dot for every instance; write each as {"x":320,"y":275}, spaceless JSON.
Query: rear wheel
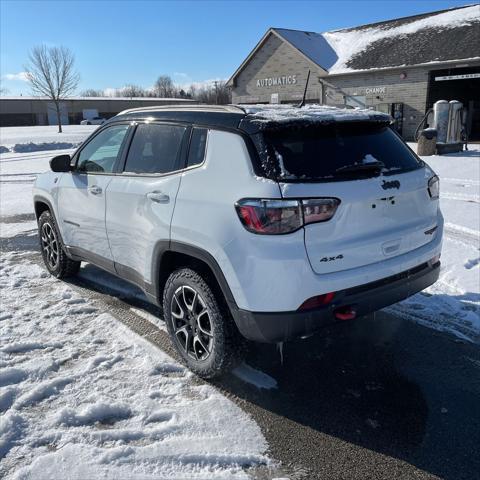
{"x":53,"y":252}
{"x":200,"y":325}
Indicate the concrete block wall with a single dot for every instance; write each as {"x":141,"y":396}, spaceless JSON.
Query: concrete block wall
{"x":276,"y":59}
{"x":411,"y":91}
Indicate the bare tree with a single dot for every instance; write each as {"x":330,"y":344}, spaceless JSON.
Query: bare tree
{"x":192,"y":91}
{"x":130,"y":91}
{"x":216,"y":93}
{"x":92,"y":92}
{"x":164,"y":87}
{"x":51,"y":73}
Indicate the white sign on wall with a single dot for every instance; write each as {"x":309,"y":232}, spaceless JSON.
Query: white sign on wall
{"x":374,"y":90}
{"x":276,"y":81}
{"x":274,"y":98}
{"x":458,"y":77}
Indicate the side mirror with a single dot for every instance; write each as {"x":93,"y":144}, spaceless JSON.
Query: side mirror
{"x":60,"y":163}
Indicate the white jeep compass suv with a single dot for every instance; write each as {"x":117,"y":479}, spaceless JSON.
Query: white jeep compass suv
{"x":265,"y":223}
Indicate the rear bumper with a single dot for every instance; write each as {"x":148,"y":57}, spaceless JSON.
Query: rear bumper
{"x":274,"y":327}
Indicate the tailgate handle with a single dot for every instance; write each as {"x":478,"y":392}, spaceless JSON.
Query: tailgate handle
{"x":389,"y":248}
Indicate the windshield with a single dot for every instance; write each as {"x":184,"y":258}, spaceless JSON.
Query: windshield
{"x":335,"y":152}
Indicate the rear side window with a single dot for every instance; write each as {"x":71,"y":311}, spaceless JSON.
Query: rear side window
{"x":155,"y":149}
{"x":326,"y":153}
{"x":198,"y":142}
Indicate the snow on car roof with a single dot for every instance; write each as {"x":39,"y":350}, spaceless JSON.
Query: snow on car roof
{"x":268,"y":114}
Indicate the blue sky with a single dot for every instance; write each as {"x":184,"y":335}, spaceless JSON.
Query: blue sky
{"x":121,"y":42}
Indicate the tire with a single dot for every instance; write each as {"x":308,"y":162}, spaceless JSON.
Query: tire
{"x":204,"y":335}
{"x":52,"y":248}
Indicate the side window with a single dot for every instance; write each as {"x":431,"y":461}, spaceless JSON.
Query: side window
{"x":155,"y":148}
{"x":100,"y":154}
{"x":198,"y":143}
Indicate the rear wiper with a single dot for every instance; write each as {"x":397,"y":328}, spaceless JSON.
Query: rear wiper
{"x":361,"y":167}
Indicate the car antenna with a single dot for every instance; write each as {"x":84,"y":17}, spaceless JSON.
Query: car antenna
{"x":302,"y":103}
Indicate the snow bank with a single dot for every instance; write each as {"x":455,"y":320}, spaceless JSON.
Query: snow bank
{"x":34,"y":139}
{"x":82,"y":396}
{"x":265,"y":114}
{"x":348,"y":43}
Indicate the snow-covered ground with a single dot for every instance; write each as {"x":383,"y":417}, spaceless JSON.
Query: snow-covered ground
{"x":453,"y":303}
{"x":81,"y":396}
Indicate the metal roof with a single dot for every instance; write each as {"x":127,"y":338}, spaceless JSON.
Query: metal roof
{"x":435,"y":37}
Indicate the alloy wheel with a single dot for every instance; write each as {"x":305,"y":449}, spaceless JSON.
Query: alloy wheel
{"x":50,"y":246}
{"x":191,"y":323}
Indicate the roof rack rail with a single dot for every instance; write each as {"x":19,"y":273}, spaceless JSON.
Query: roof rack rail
{"x":190,"y":107}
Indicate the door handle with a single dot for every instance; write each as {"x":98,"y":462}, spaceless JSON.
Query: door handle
{"x":95,"y":190}
{"x":158,"y":197}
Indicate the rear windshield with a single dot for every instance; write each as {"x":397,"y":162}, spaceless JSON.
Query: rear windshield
{"x":334,"y":152}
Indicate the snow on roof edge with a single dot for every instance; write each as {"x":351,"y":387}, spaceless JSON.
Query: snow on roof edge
{"x":312,"y":113}
{"x":333,"y":50}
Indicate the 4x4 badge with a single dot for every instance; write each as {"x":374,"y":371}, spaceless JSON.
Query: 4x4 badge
{"x":393,"y":184}
{"x":331,"y":259}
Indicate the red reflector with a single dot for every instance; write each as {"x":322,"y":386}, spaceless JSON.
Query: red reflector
{"x":317,"y":301}
{"x":345,"y":313}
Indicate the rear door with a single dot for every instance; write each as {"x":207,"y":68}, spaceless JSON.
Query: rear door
{"x":384,"y":212}
{"x":81,"y":193}
{"x":140,"y":200}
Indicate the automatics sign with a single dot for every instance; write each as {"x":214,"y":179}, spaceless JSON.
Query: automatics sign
{"x":276,"y":81}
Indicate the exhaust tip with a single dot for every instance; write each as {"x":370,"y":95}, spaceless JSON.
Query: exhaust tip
{"x":345,"y":313}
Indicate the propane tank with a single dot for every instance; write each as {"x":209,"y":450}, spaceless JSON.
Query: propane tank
{"x":440,"y":119}
{"x":454,"y":129}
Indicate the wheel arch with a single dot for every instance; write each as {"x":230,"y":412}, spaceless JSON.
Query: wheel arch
{"x":41,"y":204}
{"x":170,"y":256}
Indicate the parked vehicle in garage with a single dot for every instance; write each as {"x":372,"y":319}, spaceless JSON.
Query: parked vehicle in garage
{"x":93,"y":121}
{"x":265,"y":223}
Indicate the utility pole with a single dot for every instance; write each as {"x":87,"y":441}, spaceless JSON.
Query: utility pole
{"x":216,"y":91}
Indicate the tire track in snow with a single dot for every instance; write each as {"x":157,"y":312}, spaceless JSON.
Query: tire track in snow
{"x":464,"y":235}
{"x":462,"y":197}
{"x":464,"y":181}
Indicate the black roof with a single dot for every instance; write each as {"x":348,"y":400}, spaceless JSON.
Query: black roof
{"x":250,"y":118}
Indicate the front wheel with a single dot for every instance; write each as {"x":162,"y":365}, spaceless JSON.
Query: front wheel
{"x":200,"y":325}
{"x":53,"y":253}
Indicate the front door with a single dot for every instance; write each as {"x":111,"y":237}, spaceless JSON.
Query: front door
{"x":82,"y":194}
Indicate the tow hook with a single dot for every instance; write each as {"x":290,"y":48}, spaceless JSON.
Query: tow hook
{"x":345,"y":313}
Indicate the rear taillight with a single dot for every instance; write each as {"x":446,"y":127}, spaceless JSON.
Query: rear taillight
{"x":275,"y":217}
